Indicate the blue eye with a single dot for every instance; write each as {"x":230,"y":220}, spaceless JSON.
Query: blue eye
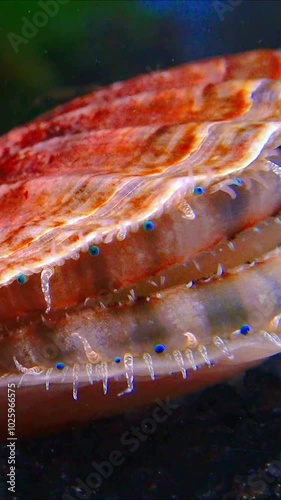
{"x":21,"y":279}
{"x":117,"y":360}
{"x":199,"y":190}
{"x":149,"y":225}
{"x":159,"y":348}
{"x":60,"y":365}
{"x":245,"y":329}
{"x":94,"y":251}
{"x":237,"y":182}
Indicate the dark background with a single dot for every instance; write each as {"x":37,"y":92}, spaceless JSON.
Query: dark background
{"x":99,"y":42}
{"x":217,"y":444}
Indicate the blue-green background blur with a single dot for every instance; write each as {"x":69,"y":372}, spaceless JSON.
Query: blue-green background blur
{"x":98,"y":42}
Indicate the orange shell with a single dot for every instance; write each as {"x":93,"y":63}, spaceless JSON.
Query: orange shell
{"x":148,"y":137}
{"x":93,"y":172}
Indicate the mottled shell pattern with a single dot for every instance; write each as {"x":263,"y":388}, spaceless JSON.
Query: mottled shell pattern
{"x":140,"y":229}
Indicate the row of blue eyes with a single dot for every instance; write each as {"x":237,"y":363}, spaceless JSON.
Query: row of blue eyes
{"x":160,"y":348}
{"x":147,"y":226}
{"x":94,"y":251}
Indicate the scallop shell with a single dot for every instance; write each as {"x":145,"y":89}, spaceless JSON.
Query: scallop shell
{"x":139,"y":236}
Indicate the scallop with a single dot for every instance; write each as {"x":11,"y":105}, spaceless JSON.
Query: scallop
{"x":140,"y":235}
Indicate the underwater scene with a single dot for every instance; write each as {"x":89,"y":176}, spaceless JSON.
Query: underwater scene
{"x":140,"y":232}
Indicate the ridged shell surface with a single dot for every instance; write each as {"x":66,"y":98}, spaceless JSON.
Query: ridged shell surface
{"x":140,"y":228}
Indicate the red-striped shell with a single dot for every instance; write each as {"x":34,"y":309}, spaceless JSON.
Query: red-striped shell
{"x":139,"y":237}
